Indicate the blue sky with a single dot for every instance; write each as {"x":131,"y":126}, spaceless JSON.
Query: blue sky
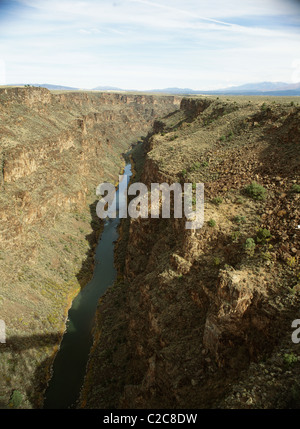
{"x":145,"y":44}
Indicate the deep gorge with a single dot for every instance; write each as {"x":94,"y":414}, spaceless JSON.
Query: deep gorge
{"x":194,"y":319}
{"x":55,"y":149}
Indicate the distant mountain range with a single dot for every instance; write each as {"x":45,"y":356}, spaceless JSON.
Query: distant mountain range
{"x":46,"y":85}
{"x":107,"y":88}
{"x":265,"y":86}
{"x":260,"y":88}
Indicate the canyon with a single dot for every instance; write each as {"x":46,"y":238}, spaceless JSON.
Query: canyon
{"x":55,"y":149}
{"x":196,"y":318}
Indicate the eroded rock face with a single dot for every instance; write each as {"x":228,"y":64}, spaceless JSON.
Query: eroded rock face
{"x":194,"y":310}
{"x":232,"y":298}
{"x":55,"y":149}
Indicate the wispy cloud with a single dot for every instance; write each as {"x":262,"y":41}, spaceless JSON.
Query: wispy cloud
{"x":145,"y":44}
{"x":179,"y":11}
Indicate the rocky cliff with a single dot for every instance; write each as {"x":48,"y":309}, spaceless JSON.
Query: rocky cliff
{"x":202,"y":318}
{"x":55,"y":149}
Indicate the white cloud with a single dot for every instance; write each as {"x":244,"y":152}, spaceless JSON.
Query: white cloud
{"x":146,"y":43}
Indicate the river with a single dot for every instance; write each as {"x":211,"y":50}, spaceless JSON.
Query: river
{"x":70,"y":362}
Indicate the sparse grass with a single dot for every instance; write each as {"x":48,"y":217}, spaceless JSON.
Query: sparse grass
{"x":230,"y":136}
{"x":239,"y":200}
{"x":217,"y":201}
{"x":238,"y":219}
{"x":196,"y":166}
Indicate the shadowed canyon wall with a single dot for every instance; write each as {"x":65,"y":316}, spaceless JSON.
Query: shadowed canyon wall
{"x":200,"y":318}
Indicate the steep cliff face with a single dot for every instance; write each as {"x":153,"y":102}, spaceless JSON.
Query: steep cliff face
{"x":55,"y":149}
{"x":202,"y":318}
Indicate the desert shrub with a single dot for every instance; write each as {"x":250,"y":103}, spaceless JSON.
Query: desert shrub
{"x":239,"y":219}
{"x":16,"y":399}
{"x":212,"y":222}
{"x":263,"y":106}
{"x":256,"y":191}
{"x":290,"y":359}
{"x":291,"y":262}
{"x":250,"y":246}
{"x":296,"y":188}
{"x":263,"y":235}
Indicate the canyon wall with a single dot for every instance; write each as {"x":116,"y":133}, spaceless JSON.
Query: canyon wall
{"x":202,"y":318}
{"x":55,"y":149}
